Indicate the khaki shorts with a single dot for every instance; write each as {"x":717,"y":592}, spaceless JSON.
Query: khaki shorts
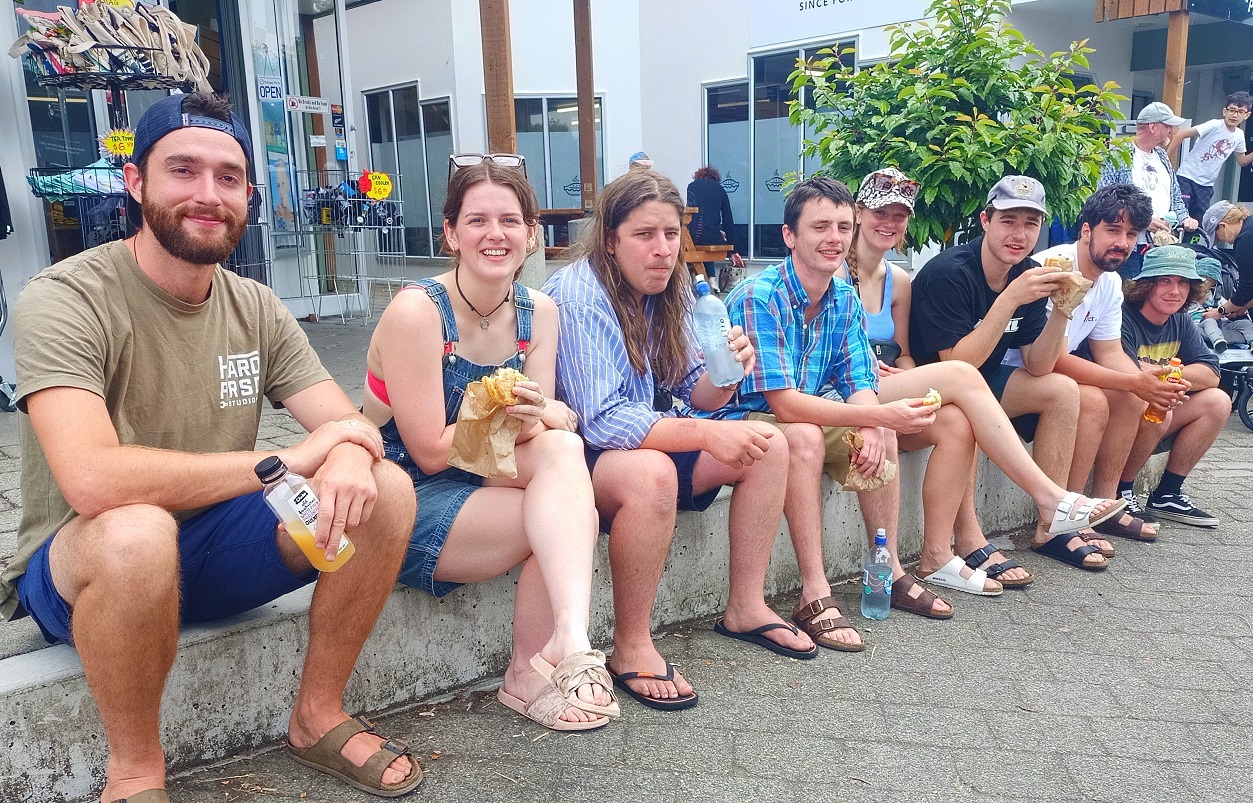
{"x":838,"y":452}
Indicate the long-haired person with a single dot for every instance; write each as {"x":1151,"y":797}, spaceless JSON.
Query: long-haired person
{"x":433,"y":340}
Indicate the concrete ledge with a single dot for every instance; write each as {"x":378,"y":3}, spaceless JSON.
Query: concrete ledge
{"x":234,"y":682}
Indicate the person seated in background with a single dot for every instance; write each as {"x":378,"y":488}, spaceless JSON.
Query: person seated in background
{"x":1155,"y":328}
{"x":434,"y":339}
{"x":974,"y":302}
{"x":713,"y":223}
{"x":1217,"y":330}
{"x":625,"y":353}
{"x":1112,"y":388}
{"x":1231,"y":224}
{"x":811,"y":332}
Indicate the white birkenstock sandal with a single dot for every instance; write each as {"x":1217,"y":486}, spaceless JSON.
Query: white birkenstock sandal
{"x":949,"y":576}
{"x":1071,"y":517}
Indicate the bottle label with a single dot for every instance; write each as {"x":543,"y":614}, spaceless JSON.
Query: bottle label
{"x":301,"y":505}
{"x":871,"y":584}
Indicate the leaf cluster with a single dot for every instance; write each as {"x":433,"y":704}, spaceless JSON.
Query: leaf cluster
{"x":962,"y":100}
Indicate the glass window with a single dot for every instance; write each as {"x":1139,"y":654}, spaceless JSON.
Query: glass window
{"x":529,"y":115}
{"x":407,"y":137}
{"x":548,"y":136}
{"x":776,"y":143}
{"x":727,"y":148}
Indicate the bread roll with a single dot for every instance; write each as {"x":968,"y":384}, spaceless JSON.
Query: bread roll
{"x":499,"y":385}
{"x":932,"y":397}
{"x":1059,"y":262}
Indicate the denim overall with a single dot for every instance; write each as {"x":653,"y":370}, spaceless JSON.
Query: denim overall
{"x":441,"y":495}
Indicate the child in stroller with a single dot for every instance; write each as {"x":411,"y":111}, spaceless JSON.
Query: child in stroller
{"x":1219,"y":331}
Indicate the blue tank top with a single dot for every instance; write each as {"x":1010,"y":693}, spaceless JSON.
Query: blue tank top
{"x":881,"y":326}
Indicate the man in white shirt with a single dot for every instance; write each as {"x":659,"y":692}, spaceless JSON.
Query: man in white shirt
{"x":1216,"y":140}
{"x":1113,"y":389}
{"x":1150,"y":170}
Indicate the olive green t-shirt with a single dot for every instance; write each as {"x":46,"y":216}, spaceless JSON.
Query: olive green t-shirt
{"x":176,"y":376}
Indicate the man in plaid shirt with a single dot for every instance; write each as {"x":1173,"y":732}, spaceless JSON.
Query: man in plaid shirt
{"x":816,"y":378}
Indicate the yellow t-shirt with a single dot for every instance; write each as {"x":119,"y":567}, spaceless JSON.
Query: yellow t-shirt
{"x":176,"y":376}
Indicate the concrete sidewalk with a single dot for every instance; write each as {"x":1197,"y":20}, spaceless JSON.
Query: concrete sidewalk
{"x":1120,"y":686}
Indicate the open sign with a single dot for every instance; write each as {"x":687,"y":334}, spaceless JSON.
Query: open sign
{"x":270,"y":90}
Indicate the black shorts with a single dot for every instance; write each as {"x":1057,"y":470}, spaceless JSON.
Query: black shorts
{"x":1024,"y":425}
{"x":684,"y":465}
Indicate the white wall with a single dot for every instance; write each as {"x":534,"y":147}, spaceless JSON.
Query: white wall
{"x":681,"y":47}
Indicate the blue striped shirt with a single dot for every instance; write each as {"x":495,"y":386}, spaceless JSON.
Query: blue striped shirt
{"x":613,"y":401}
{"x":831,"y":352}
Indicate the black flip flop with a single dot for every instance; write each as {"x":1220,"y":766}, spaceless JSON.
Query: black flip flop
{"x":669,"y":704}
{"x":755,"y":636}
{"x":1056,"y":548}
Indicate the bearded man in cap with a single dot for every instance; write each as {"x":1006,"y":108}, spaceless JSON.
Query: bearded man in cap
{"x":141,"y":365}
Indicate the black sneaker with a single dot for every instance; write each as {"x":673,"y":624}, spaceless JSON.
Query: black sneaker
{"x":1136,"y":509}
{"x":1178,"y":507}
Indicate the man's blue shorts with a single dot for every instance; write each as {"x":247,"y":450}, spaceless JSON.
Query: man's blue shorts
{"x":229,"y":563}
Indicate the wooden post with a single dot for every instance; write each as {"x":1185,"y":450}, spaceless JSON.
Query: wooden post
{"x":1176,"y":60}
{"x":587,"y":100}
{"x":502,"y":128}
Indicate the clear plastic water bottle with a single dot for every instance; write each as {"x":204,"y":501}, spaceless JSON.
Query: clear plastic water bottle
{"x":712,"y":324}
{"x":876,"y":579}
{"x":288,"y":494}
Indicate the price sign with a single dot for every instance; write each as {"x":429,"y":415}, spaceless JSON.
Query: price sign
{"x":375,"y":185}
{"x":119,"y":142}
{"x":119,"y":3}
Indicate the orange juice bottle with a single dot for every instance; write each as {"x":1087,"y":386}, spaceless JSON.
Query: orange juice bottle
{"x":1156,"y":415}
{"x":288,"y":494}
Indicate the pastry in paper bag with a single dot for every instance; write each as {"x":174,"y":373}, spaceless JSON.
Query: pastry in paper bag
{"x":1071,"y":295}
{"x":856,"y":481}
{"x":484,"y":438}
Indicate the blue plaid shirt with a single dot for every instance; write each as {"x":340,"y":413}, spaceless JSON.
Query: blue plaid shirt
{"x":831,"y":352}
{"x":613,"y":401}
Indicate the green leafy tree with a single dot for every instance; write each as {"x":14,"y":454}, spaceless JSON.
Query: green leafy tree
{"x":961,"y":101}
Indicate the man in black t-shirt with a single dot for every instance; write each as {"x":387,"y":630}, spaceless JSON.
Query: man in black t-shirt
{"x":975,"y":301}
{"x":1155,"y":329}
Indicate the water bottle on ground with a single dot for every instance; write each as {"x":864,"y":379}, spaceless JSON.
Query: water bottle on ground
{"x":876,"y":579}
{"x":710,"y":320}
{"x":1155,"y":414}
{"x":288,"y":494}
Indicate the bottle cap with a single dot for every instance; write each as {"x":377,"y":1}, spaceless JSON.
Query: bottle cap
{"x":881,"y":538}
{"x":270,"y":469}
{"x":702,"y":287}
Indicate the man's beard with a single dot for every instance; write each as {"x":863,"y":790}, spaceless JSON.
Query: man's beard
{"x":1107,"y":262}
{"x":165,"y":223}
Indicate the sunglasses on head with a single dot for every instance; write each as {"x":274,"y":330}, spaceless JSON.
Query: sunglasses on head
{"x":456,"y":161}
{"x":907,"y":188}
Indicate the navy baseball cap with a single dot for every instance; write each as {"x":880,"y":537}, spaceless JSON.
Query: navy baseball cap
{"x":167,"y":115}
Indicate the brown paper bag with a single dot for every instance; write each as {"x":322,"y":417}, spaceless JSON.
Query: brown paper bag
{"x":483,"y":440}
{"x":1068,"y":298}
{"x":856,"y":481}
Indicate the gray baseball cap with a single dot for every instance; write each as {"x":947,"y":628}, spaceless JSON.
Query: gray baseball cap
{"x":1158,"y":113}
{"x":1018,"y":192}
{"x":1213,"y":216}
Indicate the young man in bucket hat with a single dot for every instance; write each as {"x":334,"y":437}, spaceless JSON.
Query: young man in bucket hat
{"x":141,"y":365}
{"x":1156,"y":328}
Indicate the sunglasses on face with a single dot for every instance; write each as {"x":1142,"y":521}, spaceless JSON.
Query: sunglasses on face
{"x":456,"y":161}
{"x":907,"y":188}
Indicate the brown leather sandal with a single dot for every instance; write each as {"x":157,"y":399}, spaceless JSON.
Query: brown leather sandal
{"x":922,"y":605}
{"x":325,"y":757}
{"x":806,"y":618}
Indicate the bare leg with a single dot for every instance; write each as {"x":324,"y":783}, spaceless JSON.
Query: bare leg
{"x":345,"y":606}
{"x":802,"y":507}
{"x":638,"y":490}
{"x":756,"y":510}
{"x":1125,"y":413}
{"x":1094,"y":415}
{"x":119,"y":572}
{"x":1198,"y":422}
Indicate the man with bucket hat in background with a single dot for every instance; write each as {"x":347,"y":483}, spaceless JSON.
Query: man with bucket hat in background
{"x":976,"y":301}
{"x":1155,"y":328}
{"x":1142,"y":161}
{"x":141,"y":365}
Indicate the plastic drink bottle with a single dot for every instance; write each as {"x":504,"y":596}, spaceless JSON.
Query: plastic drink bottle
{"x":1155,"y":414}
{"x":710,"y":320}
{"x":288,"y":494}
{"x":876,"y":579}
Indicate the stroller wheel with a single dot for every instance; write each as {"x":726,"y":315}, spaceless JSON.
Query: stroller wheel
{"x":1244,"y":401}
